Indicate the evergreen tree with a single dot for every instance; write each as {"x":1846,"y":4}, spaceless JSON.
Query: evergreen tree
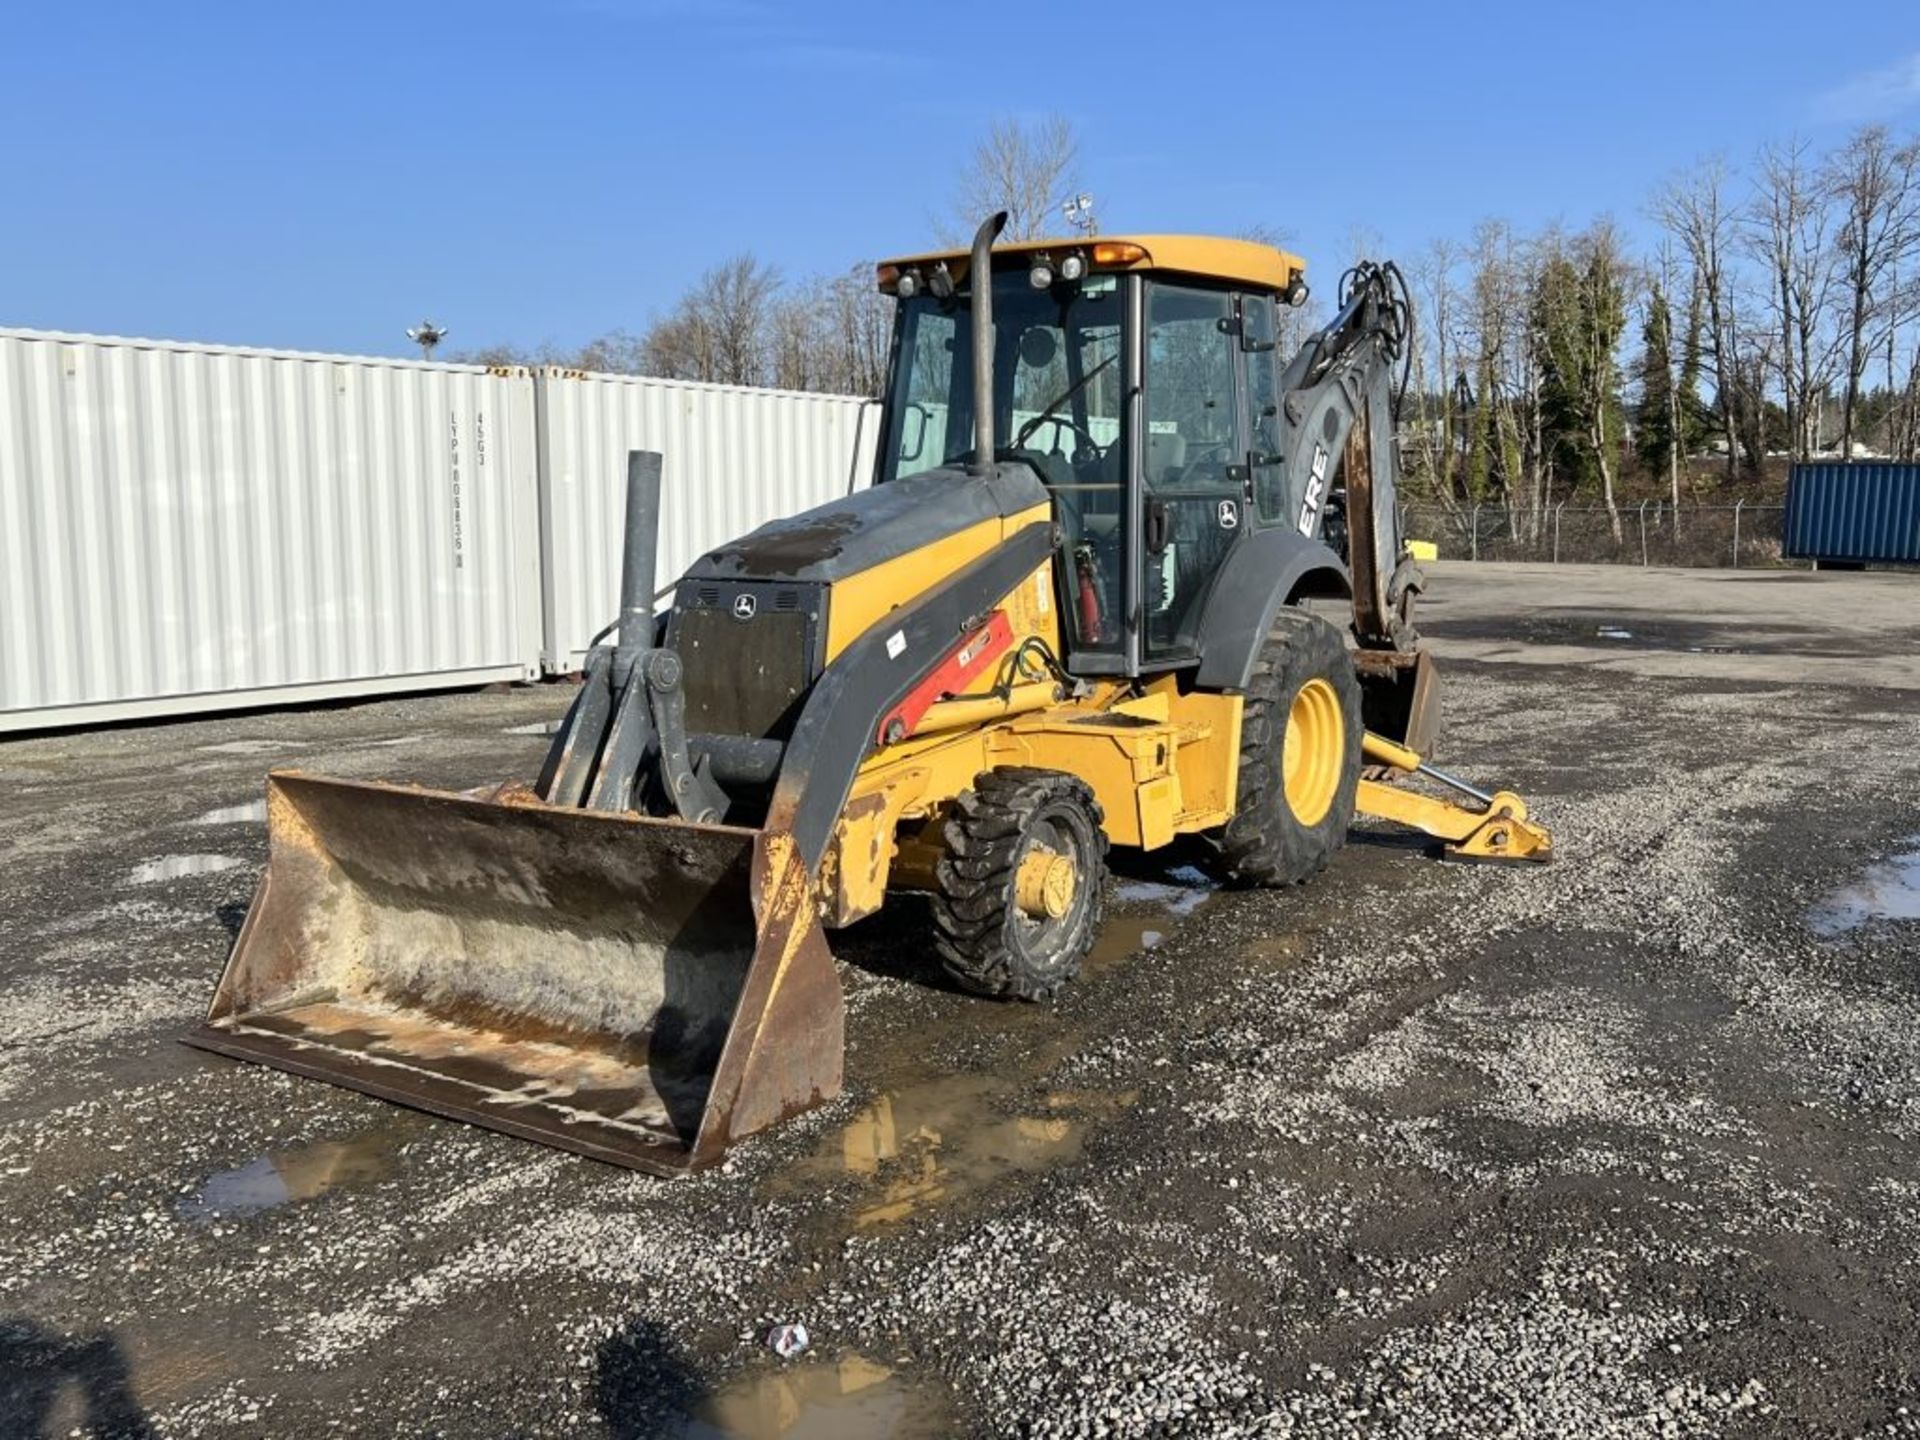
{"x":1696,"y":415}
{"x":1580,"y":313}
{"x":1655,"y":432}
{"x":1481,"y":439}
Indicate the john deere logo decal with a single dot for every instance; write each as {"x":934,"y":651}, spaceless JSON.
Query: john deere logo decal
{"x":1229,"y":515}
{"x":743,"y":606}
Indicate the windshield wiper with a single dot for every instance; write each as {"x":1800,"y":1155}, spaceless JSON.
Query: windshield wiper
{"x":1071,"y":391}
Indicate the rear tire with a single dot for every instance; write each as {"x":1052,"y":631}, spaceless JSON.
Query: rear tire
{"x":1299,"y":756}
{"x":1022,"y":883}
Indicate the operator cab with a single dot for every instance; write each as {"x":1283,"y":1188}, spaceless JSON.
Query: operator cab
{"x":1138,"y":379}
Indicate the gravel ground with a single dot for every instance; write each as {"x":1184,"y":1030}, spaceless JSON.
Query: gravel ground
{"x":1621,"y":1146}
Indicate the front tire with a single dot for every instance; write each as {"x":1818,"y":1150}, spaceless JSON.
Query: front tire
{"x":1299,"y":756}
{"x":1022,"y":882}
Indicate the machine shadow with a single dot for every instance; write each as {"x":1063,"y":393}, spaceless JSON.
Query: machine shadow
{"x":645,"y":1388}
{"x":38,"y":1364}
{"x":232,"y":916}
{"x":1403,"y":842}
{"x":896,"y":944}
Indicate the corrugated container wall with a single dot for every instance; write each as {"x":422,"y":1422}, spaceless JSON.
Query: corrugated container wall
{"x":1866,"y":513}
{"x":733,"y":459}
{"x":190,"y":528}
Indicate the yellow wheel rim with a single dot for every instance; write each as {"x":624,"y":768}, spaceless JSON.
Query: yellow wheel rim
{"x":1313,"y":752}
{"x":1043,"y":886}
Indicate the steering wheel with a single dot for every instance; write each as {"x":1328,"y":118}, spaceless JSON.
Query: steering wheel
{"x":1061,"y":423}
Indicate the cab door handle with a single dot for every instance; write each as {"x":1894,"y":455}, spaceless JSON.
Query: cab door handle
{"x":1157,"y":526}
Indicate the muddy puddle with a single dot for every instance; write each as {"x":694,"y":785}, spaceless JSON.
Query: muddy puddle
{"x":1179,"y":892}
{"x":1887,"y":891}
{"x":1122,"y":936}
{"x":283,"y":1176}
{"x":252,"y":810}
{"x":1144,"y":912}
{"x":850,"y":1399}
{"x":931,"y":1143}
{"x":938,"y":1139}
{"x":175,"y":867}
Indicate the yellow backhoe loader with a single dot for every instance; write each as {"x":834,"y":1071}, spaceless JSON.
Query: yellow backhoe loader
{"x":1070,"y":612}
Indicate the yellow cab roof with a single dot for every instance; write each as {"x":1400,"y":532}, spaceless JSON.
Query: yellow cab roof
{"x":1239,"y":262}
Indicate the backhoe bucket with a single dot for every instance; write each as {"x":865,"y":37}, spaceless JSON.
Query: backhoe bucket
{"x":1400,"y":696}
{"x":642,"y":991}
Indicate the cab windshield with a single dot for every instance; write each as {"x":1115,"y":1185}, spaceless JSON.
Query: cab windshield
{"x":1057,"y":403}
{"x":1056,"y":380}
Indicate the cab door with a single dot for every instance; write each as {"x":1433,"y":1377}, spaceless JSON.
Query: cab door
{"x":1193,"y":452}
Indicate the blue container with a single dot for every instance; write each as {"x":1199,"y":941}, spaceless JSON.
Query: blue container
{"x":1861,"y":513}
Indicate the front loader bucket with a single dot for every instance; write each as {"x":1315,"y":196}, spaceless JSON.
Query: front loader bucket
{"x":642,"y":991}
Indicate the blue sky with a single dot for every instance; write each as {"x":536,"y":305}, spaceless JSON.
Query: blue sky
{"x":320,"y":176}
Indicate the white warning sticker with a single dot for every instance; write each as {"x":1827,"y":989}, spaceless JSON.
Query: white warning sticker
{"x":896,"y":644}
{"x":1040,"y":596}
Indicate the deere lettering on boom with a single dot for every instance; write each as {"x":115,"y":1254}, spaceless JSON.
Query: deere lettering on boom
{"x":1068,"y":615}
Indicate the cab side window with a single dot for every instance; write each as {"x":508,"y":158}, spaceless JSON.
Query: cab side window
{"x":931,"y":418}
{"x":1191,"y":461}
{"x":1190,"y":388}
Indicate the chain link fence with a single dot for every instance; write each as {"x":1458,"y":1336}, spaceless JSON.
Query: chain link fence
{"x":1654,"y":533}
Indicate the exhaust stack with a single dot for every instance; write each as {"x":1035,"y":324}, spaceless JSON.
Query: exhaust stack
{"x":980,"y":278}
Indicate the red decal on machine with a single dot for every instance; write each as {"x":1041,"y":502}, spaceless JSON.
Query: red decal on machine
{"x":957,"y":667}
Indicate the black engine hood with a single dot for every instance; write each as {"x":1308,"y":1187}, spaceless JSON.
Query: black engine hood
{"x":855,"y":533}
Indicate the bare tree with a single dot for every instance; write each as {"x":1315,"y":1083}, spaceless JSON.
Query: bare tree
{"x":1659,"y":431}
{"x":734,"y":300}
{"x":1495,"y":350}
{"x":1694,"y":210}
{"x":1025,"y":170}
{"x":678,"y":347}
{"x":1877,"y":185}
{"x":718,"y":331}
{"x":1904,"y":440}
{"x":1789,"y":230}
{"x":1261,"y":233}
{"x":618,"y":352}
{"x":859,"y":331}
{"x":794,"y":341}
{"x":1434,"y":366}
{"x":832,"y":334}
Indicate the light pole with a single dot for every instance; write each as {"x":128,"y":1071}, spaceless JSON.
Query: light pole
{"x":427,"y":335}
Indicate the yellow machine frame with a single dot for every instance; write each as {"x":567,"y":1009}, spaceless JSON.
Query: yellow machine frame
{"x":1159,"y":763}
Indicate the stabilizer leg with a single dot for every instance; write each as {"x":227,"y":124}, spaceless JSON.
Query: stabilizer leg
{"x":1497,"y":829}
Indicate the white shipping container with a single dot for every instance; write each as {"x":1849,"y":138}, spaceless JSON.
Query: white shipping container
{"x":186,"y":528}
{"x":732,"y":459}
